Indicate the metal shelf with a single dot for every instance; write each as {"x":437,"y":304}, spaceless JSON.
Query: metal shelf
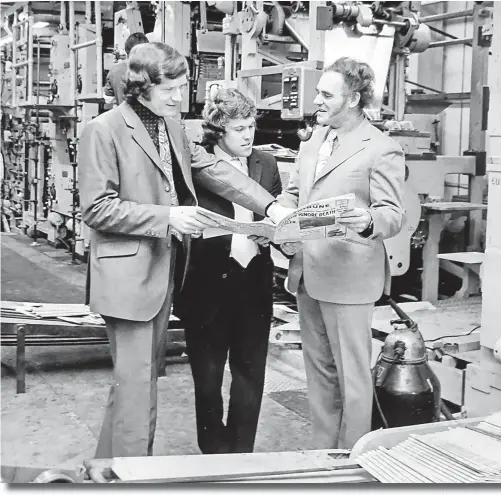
{"x":91,"y":99}
{"x":434,"y":103}
{"x":46,"y":106}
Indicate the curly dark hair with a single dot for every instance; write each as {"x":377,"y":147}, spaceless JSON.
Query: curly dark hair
{"x":226,"y":104}
{"x":358,"y":77}
{"x":150,"y":63}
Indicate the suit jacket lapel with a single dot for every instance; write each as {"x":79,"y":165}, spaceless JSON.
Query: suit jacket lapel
{"x":255,"y":168}
{"x":310,"y":152}
{"x":140,"y":134}
{"x":349,"y":145}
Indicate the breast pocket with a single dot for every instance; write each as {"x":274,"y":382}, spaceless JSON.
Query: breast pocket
{"x":357,"y":175}
{"x":127,"y":247}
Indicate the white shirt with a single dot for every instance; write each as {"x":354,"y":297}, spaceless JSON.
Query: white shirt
{"x":242,"y":249}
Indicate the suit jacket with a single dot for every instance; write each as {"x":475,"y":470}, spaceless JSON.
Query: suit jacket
{"x":210,"y":258}
{"x":371,"y":165}
{"x":114,"y":81}
{"x":125,"y":200}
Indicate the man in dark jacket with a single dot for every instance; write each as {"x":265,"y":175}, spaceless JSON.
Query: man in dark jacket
{"x":113,"y":91}
{"x":226,"y":301}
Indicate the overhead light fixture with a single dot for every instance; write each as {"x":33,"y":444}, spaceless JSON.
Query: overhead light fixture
{"x":40,"y":24}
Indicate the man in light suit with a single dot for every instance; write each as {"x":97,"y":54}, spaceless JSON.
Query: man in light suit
{"x":138,"y":198}
{"x":232,"y":280}
{"x":337,"y":281}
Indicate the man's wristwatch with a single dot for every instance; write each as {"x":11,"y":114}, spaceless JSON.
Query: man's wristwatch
{"x":268,"y":207}
{"x":369,"y":230}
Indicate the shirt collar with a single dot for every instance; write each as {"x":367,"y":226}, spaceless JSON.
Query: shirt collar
{"x":345,"y":135}
{"x":222,"y":155}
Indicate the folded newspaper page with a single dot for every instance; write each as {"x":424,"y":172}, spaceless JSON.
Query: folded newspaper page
{"x":315,"y":220}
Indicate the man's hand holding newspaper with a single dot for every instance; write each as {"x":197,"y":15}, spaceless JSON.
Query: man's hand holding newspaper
{"x":316,"y":220}
{"x":291,"y":248}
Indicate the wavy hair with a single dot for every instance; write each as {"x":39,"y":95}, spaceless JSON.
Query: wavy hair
{"x":226,"y":105}
{"x":358,"y":77}
{"x":150,"y":63}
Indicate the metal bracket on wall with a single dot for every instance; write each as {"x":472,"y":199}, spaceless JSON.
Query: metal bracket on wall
{"x":480,"y":161}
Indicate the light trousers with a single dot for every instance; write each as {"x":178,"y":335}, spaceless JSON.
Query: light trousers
{"x":138,"y":352}
{"x":336,"y":341}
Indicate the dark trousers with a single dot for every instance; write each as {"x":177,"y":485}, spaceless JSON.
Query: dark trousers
{"x":240,"y":333}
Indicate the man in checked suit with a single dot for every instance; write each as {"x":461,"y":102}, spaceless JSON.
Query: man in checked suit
{"x":231,"y":278}
{"x":138,"y":198}
{"x":337,"y":281}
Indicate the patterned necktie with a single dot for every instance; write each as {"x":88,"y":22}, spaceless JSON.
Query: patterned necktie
{"x":242,"y":249}
{"x":166,"y":159}
{"x":325,"y":152}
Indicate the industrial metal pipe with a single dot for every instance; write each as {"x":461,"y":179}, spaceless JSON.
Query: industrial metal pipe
{"x":446,"y":16}
{"x":296,"y":35}
{"x":39,"y":54}
{"x":73,"y":53}
{"x":99,"y":48}
{"x":20,"y":64}
{"x":37,"y":142}
{"x":460,"y":41}
{"x":29,"y":89}
{"x":88,"y":12}
{"x":382,"y":22}
{"x":84,"y":44}
{"x":14,"y":58}
{"x":63,"y":16}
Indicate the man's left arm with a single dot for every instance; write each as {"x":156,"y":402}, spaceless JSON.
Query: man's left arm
{"x":386,"y":193}
{"x":225,"y":180}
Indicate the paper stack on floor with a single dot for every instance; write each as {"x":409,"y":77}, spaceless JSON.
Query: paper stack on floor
{"x":458,"y":455}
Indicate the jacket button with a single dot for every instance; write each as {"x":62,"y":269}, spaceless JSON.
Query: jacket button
{"x":225,"y":275}
{"x":167,"y":188}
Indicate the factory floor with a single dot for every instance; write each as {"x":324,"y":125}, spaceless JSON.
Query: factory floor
{"x":56,"y":422}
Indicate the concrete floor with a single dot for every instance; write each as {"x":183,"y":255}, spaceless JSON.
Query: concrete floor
{"x":56,"y":422}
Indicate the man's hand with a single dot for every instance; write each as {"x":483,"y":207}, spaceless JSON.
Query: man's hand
{"x":291,"y":248}
{"x":277,"y":212}
{"x":357,"y":219}
{"x":260,"y":239}
{"x":263,"y":241}
{"x":189,"y":220}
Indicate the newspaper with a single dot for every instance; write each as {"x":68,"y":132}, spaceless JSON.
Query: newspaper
{"x":315,"y":220}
